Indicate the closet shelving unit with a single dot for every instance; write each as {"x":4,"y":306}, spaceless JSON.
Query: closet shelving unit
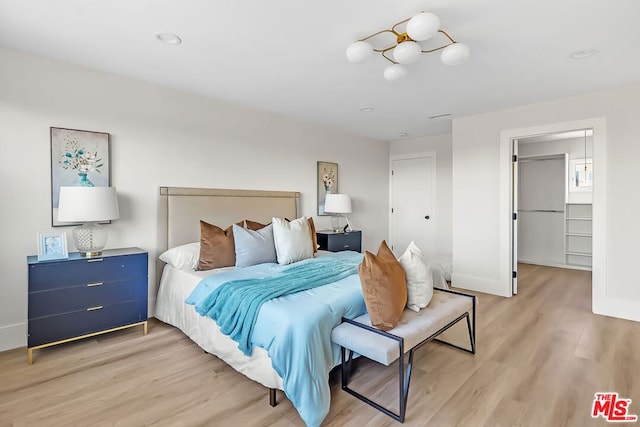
{"x":578,"y":235}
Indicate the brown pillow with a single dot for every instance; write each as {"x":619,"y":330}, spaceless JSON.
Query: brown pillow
{"x":252,"y":225}
{"x":216,"y":247}
{"x":384,"y":287}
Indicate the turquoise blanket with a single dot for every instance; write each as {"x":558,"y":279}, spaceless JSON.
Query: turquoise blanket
{"x":294,"y":327}
{"x":235,"y":304}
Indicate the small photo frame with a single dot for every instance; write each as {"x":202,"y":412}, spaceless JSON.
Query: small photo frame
{"x":52,"y":246}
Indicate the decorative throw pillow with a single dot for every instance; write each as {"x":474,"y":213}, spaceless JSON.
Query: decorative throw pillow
{"x":312,"y":230}
{"x":216,"y":247}
{"x":183,"y":256}
{"x":419,"y":278}
{"x":254,"y":246}
{"x":384,"y":287}
{"x":292,"y":239}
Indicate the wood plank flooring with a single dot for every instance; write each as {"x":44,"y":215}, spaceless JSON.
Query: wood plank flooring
{"x":541,"y":356}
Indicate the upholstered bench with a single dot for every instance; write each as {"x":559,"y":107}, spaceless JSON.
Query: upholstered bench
{"x":415,"y":329}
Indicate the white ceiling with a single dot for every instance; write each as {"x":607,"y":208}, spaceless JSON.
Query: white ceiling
{"x":287,"y":56}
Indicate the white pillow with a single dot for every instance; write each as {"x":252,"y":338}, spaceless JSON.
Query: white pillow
{"x":292,"y":240}
{"x":183,"y":256}
{"x":419,"y":278}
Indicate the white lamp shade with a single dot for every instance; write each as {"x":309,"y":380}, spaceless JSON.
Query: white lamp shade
{"x":87,"y":204}
{"x":455,"y":54}
{"x":394,"y":72}
{"x":423,"y":26}
{"x":337,"y":203}
{"x":359,"y":51}
{"x":407,"y":52}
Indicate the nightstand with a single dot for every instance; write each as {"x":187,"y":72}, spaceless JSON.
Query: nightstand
{"x":80,"y":297}
{"x":334,"y":241}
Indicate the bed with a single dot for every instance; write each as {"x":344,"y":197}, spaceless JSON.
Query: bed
{"x":181,"y":210}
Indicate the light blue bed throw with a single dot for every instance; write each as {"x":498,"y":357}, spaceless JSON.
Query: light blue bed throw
{"x":290,"y":312}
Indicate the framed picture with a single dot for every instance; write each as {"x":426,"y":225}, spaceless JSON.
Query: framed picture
{"x":52,"y":246}
{"x":327,"y":183}
{"x":78,"y":158}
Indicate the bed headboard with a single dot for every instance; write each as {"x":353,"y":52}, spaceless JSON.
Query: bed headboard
{"x":181,"y":210}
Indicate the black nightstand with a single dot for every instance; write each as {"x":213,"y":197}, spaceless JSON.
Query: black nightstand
{"x":81,"y":297}
{"x":338,"y":241}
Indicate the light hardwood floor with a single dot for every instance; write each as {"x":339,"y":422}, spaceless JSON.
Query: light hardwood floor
{"x":541,"y":356}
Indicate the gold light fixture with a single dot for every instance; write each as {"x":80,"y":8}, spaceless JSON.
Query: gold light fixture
{"x":406,"y":49}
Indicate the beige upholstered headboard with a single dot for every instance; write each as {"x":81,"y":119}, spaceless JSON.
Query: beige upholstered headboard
{"x":181,"y":210}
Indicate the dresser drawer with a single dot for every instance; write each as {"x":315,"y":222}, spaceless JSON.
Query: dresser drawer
{"x":53,"y":275}
{"x":64,"y":300}
{"x":56,"y":328}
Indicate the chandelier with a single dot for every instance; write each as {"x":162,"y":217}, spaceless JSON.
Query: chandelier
{"x":406,"y":49}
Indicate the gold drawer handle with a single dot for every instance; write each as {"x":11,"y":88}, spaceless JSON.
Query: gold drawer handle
{"x":97,"y":307}
{"x":89,"y":285}
{"x":95,"y":260}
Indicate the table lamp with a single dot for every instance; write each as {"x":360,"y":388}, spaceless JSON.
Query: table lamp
{"x":88,"y":205}
{"x":340,"y":204}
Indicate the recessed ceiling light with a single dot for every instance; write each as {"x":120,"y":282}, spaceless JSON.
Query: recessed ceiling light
{"x":583,"y":53}
{"x":366,"y":109}
{"x":168,"y":38}
{"x":402,"y":134}
{"x":440,"y":116}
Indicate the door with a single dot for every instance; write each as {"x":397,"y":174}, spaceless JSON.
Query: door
{"x":412,"y":203}
{"x":514,"y":219}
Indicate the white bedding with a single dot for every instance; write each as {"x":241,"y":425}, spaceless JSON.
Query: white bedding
{"x":175,"y":287}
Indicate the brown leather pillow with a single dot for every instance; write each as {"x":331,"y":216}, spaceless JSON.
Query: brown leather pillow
{"x":314,"y":238}
{"x":384,"y":287}
{"x":216,"y":247}
{"x":255,"y":226}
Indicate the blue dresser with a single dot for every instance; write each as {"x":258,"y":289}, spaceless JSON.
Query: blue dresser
{"x":80,"y":297}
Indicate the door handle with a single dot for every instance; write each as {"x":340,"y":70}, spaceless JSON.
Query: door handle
{"x":427,"y":217}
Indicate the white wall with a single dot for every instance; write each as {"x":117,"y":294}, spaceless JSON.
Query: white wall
{"x":477,"y":189}
{"x":159,"y":137}
{"x":441,"y":144}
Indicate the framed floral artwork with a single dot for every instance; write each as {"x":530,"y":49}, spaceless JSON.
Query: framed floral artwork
{"x":78,"y":158}
{"x":327,"y":183}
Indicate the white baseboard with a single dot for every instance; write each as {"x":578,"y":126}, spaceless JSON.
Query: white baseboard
{"x":13,"y":336}
{"x":616,"y":307}
{"x":478,"y":284}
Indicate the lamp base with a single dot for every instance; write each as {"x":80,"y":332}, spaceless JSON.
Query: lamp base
{"x":90,"y":239}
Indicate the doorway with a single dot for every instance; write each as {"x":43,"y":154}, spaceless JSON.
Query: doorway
{"x":601,"y":303}
{"x":412,"y":200}
{"x":552,"y":183}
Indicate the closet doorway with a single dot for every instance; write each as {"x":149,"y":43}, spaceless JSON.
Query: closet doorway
{"x":552,"y":200}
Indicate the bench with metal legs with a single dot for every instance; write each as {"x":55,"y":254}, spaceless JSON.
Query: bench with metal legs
{"x":415,"y":329}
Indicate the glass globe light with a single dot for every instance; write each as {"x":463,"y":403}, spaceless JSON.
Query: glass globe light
{"x":407,"y":52}
{"x":423,"y":26}
{"x":455,"y":54}
{"x":359,"y":51}
{"x":394,"y":72}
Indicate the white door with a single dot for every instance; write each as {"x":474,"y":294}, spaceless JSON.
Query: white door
{"x":413,"y":203}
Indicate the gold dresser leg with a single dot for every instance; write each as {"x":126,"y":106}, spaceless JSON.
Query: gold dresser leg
{"x":144,"y":326}
{"x":30,"y":356}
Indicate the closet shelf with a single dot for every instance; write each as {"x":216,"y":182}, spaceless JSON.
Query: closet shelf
{"x":585,"y":254}
{"x":578,"y":218}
